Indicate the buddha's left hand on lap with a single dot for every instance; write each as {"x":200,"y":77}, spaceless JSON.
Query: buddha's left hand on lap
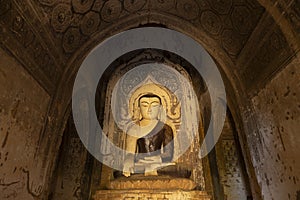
{"x":151,"y":159}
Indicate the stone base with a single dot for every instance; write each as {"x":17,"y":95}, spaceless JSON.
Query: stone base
{"x":150,"y":194}
{"x":140,"y":182}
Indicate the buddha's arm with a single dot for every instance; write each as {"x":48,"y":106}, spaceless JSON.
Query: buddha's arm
{"x":130,"y":147}
{"x":168,"y":145}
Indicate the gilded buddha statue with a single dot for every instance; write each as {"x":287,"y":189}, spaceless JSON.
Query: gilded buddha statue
{"x":150,"y":144}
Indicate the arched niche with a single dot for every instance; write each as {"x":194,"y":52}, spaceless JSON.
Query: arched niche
{"x":161,"y":20}
{"x":182,"y":93}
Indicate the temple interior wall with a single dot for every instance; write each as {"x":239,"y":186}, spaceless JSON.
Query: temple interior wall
{"x":23,"y":112}
{"x":275,"y":140}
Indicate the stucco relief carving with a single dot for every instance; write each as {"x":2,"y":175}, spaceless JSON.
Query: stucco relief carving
{"x":275,"y":43}
{"x":22,"y":34}
{"x":163,"y":77}
{"x":294,"y":15}
{"x":221,"y":6}
{"x":82,"y":6}
{"x":90,"y":23}
{"x":265,"y":58}
{"x":189,"y":9}
{"x":164,"y":5}
{"x":134,"y":5}
{"x":214,"y":16}
{"x":22,"y":31}
{"x":5,"y":6}
{"x":61,"y":17}
{"x":230,"y":23}
{"x":211,"y":22}
{"x":48,"y":2}
{"x":242,"y":19}
{"x":71,"y":39}
{"x":111,"y":10}
{"x":229,"y":37}
{"x":98,"y":4}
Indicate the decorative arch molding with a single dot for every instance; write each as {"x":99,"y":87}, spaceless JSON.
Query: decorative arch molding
{"x":225,"y":63}
{"x":128,"y":94}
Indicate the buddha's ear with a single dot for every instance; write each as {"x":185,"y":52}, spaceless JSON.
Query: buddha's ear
{"x":162,"y":114}
{"x":137,"y":114}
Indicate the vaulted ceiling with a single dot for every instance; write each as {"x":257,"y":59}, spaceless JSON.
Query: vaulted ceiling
{"x":49,"y":36}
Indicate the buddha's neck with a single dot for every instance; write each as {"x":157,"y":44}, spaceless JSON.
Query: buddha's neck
{"x":148,"y":122}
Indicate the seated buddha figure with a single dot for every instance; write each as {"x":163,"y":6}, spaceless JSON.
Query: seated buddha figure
{"x":149,"y":142}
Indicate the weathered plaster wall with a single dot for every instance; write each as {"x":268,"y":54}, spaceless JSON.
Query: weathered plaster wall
{"x":275,"y":147}
{"x":23,"y":107}
{"x":231,"y":169}
{"x":71,"y":181}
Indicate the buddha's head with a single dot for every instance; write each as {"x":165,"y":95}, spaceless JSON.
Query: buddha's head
{"x":150,"y":105}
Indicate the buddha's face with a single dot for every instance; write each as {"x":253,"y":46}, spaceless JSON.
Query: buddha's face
{"x":149,"y":107}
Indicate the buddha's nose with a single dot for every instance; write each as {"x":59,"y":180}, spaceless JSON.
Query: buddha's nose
{"x":149,"y":109}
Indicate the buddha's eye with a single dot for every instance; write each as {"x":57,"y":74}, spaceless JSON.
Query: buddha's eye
{"x":144,"y":104}
{"x":155,"y":104}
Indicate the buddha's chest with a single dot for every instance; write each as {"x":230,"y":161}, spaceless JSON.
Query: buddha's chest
{"x":151,"y":142}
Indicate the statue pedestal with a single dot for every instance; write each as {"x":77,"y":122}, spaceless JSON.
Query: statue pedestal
{"x":151,"y":194}
{"x":139,"y":187}
{"x":141,"y":182}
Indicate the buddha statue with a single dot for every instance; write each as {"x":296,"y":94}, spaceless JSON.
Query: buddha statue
{"x":149,"y":143}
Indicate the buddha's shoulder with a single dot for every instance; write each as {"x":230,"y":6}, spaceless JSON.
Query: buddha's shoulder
{"x":133,"y":127}
{"x":166,"y":126}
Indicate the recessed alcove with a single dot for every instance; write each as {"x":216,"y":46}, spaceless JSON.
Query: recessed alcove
{"x":209,"y":174}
